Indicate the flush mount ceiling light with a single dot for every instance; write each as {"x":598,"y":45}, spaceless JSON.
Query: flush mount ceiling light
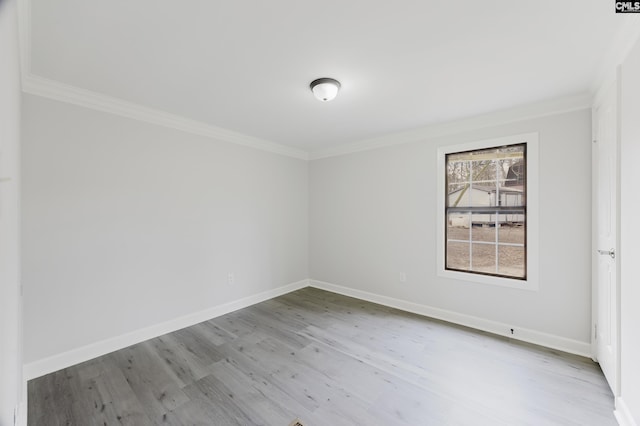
{"x":325,"y":89}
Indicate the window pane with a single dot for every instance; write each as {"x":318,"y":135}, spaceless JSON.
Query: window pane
{"x":510,"y":197}
{"x":511,"y":261}
{"x":510,"y":232}
{"x":458,"y":226}
{"x":483,"y":228}
{"x":480,"y":194}
{"x":459,"y":174}
{"x":460,"y":196}
{"x":458,"y":256}
{"x":484,"y":258}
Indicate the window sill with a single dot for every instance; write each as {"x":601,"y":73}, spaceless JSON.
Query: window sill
{"x":529,"y":284}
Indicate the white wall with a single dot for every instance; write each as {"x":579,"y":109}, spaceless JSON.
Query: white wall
{"x":630,"y":234}
{"x":10,"y":301}
{"x":127,"y":224}
{"x":373,"y":216}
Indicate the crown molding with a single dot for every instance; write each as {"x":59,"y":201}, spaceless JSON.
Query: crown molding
{"x":51,"y":89}
{"x":36,"y":85}
{"x":501,"y":117}
{"x":40,"y":86}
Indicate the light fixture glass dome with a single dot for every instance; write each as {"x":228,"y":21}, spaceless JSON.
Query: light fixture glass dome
{"x":325,"y":89}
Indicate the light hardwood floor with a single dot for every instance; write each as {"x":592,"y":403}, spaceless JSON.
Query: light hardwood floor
{"x":327,"y":360}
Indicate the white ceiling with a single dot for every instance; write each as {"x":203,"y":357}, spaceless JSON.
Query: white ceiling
{"x":245,"y":66}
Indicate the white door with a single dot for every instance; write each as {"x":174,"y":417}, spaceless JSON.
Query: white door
{"x":605,"y":211}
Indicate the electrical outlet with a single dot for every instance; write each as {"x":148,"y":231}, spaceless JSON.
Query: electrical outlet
{"x":403,"y":277}
{"x":231,"y":278}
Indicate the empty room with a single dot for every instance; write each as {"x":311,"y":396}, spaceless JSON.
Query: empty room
{"x":339,"y":213}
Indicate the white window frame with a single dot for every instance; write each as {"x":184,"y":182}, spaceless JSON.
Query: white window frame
{"x":531,"y":282}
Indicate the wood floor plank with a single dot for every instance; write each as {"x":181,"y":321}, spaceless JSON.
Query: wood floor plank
{"x":272,"y":327}
{"x":358,"y":377}
{"x":113,"y":400}
{"x":180,"y":359}
{"x":202,"y":341}
{"x":155,"y":385}
{"x":261,"y":406}
{"x":217,"y":403}
{"x":256,"y":372}
{"x":50,"y":399}
{"x":328,"y":360}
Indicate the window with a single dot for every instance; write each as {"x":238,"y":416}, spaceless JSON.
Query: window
{"x":484,"y":211}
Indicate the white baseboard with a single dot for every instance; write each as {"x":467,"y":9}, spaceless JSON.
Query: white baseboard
{"x":48,"y":365}
{"x":523,"y":334}
{"x":75,"y":356}
{"x":622,"y":413}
